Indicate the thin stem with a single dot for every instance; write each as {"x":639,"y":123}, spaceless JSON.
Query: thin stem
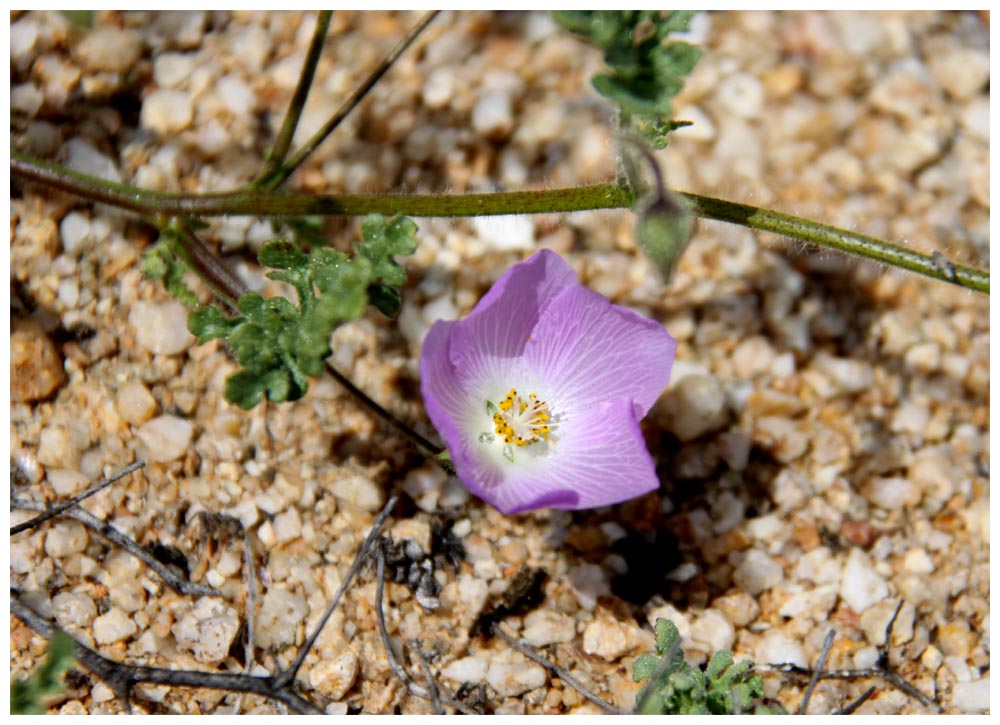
{"x":223,"y":281}
{"x":298,"y":102}
{"x":608,"y":195}
{"x":934,"y":265}
{"x":280,"y":175}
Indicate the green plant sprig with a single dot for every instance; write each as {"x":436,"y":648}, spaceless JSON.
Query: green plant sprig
{"x":28,"y":696}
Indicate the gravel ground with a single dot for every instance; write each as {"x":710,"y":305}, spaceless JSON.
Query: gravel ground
{"x":823,"y":443}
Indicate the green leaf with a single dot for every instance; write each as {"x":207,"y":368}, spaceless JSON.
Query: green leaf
{"x":644,"y":666}
{"x":385,"y":299}
{"x":282,"y":254}
{"x":646,"y":69}
{"x":209,"y":323}
{"x":27,"y":696}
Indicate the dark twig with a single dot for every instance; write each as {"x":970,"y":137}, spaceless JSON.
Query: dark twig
{"x":847,"y":710}
{"x":531,"y":653}
{"x":70,"y":503}
{"x":288,"y":675}
{"x":123,"y":677}
{"x":432,"y":685}
{"x":107,"y":531}
{"x":280,"y":175}
{"x":820,"y":663}
{"x":298,"y":102}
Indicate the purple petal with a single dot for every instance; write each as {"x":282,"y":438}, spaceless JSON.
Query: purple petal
{"x":499,"y":326}
{"x":591,"y":350}
{"x":600,"y":458}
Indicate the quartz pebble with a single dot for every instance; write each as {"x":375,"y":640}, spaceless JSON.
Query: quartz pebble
{"x":83,"y":157}
{"x":543,"y":627}
{"x":712,"y":631}
{"x":113,"y":626}
{"x":694,"y":406}
{"x":608,"y":639}
{"x":333,"y":678}
{"x":511,"y":680}
{"x":359,"y":491}
{"x":777,"y":648}
{"x":135,"y":403}
{"x":166,"y":111}
{"x":65,"y":538}
{"x":73,"y":610}
{"x":972,"y":696}
{"x":161,"y":328}
{"x":756,"y":571}
{"x":207,"y":629}
{"x":166,"y":437}
{"x":279,"y":617}
{"x":493,"y":115}
{"x":505,"y":233}
{"x":66,"y":483}
{"x":466,"y":669}
{"x":861,"y":585}
{"x":107,"y":48}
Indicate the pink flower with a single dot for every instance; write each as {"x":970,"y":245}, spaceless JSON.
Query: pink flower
{"x":538,"y":393}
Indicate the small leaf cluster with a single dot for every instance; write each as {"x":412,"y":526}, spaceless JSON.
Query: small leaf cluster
{"x":164,"y":262}
{"x":27,"y":697}
{"x":676,"y":688}
{"x":646,"y":70}
{"x":280,"y":345}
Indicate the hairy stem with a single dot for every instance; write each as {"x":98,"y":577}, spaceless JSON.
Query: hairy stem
{"x":281,"y":174}
{"x":298,"y":102}
{"x":608,"y":195}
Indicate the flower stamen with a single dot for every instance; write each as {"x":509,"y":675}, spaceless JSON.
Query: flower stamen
{"x":521,"y":421}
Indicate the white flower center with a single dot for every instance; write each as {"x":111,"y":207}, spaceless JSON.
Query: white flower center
{"x":518,"y":422}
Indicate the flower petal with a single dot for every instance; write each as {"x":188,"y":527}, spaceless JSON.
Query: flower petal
{"x":444,"y":398}
{"x":591,"y":350}
{"x":496,"y":330}
{"x":600,"y":459}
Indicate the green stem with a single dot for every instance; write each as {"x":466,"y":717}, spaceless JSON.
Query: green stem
{"x":598,"y":196}
{"x":935,"y":265}
{"x":298,"y":102}
{"x":281,"y":174}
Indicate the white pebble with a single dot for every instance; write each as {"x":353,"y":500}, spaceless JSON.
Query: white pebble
{"x":171,"y":70}
{"x":72,"y":609}
{"x":511,"y":680}
{"x":65,"y":538}
{"x":847,"y":376}
{"x":891,"y":493}
{"x":207,"y":629}
{"x":26,"y":98}
{"x":439,"y":88}
{"x":167,"y":111}
{"x":23,"y":38}
{"x":166,"y":437}
{"x":279,"y":617}
{"x":756,"y":572}
{"x":741,"y":94}
{"x":287,"y":526}
{"x":333,"y":678}
{"x":702,"y":127}
{"x":161,"y":328}
{"x":467,"y":669}
{"x":695,"y":406}
{"x":776,"y":648}
{"x":107,"y":48}
{"x":135,"y":403}
{"x":972,"y":696}
{"x":424,"y":486}
{"x":713,"y":630}
{"x":861,"y":585}
{"x":608,"y":639}
{"x":493,"y":115}
{"x":81,"y":156}
{"x":68,"y":293}
{"x":66,"y":482}
{"x":589,"y":581}
{"x":962,"y":72}
{"x":113,"y":626}
{"x":505,"y":233}
{"x":359,"y":491}
{"x":102,"y":693}
{"x":543,"y":627}
{"x":815,"y":603}
{"x":236,"y":95}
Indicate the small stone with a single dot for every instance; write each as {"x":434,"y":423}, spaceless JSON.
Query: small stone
{"x":66,"y":483}
{"x":741,"y":94}
{"x":167,"y":112}
{"x":702,"y":127}
{"x":876,"y":618}
{"x":279,"y":617}
{"x":511,"y":680}
{"x":608,"y":639}
{"x":694,"y":406}
{"x":26,"y":98}
{"x":956,"y":639}
{"x":161,"y":328}
{"x":738,"y":607}
{"x":424,"y":486}
{"x":439,"y":88}
{"x":113,"y":626}
{"x":287,"y":526}
{"x":781,"y":437}
{"x":505,"y":233}
{"x":846,"y":376}
{"x":236,"y":95}
{"x":358,"y":491}
{"x":65,"y":538}
{"x":73,"y":610}
{"x":82,"y":157}
{"x":102,"y":693}
{"x":776,"y":648}
{"x":493,"y":115}
{"x":543,"y":627}
{"x":106,"y":48}
{"x":962,"y":72}
{"x":333,"y":678}
{"x":135,"y":403}
{"x":467,"y":669}
{"x":207,"y":629}
{"x":166,"y":437}
{"x":861,"y":585}
{"x":972,"y":696}
{"x":918,"y":561}
{"x":892,"y":493}
{"x":171,"y":70}
{"x":589,"y":582}
{"x":36,"y":370}
{"x":712,"y":630}
{"x":756,"y":572}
